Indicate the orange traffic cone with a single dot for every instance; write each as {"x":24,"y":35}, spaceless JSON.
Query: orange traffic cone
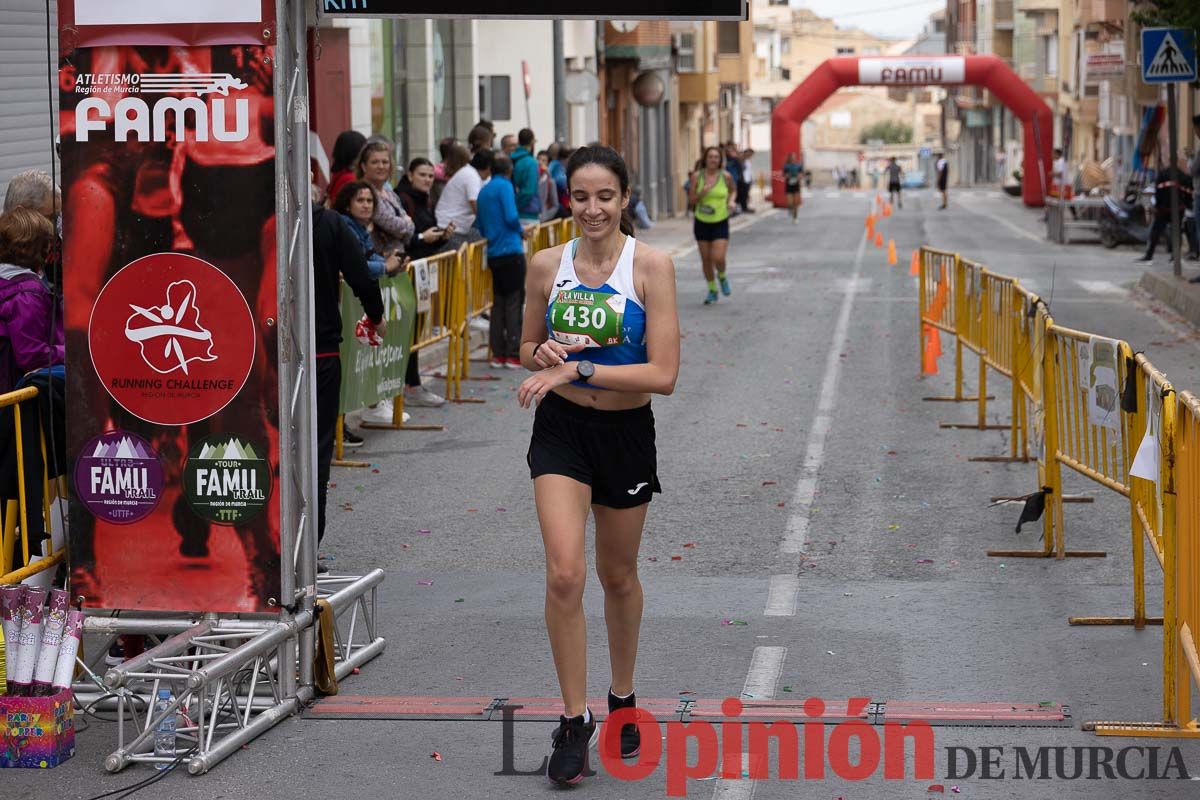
{"x":915,"y":267}
{"x":887,"y":209}
{"x":879,"y":200}
{"x":940,"y":296}
{"x":879,"y":239}
{"x":933,"y":349}
{"x":870,"y":221}
{"x":891,"y":252}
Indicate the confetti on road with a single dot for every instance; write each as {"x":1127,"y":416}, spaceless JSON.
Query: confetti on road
{"x":923,"y":561}
{"x":435,"y":755}
{"x":424,"y":583}
{"x":677,"y":558}
{"x":734,"y":622}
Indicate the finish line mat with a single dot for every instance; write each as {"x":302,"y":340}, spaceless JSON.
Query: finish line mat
{"x":687,"y":708}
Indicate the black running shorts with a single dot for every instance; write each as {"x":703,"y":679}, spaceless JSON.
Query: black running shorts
{"x":611,"y":451}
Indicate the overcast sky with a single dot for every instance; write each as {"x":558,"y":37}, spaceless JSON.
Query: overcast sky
{"x":903,"y":19}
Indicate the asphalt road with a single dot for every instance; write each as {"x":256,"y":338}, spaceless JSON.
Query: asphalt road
{"x":809,"y":493}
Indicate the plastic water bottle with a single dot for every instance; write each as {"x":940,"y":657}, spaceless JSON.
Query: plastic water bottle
{"x":164,"y":734}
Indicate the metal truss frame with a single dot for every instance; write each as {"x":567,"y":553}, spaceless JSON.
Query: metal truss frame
{"x":233,"y":678}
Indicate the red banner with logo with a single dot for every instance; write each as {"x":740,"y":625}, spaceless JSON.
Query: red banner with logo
{"x":169,"y":286}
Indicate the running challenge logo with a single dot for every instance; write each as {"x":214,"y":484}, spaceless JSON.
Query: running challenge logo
{"x":171,"y":338}
{"x":853,"y":749}
{"x":134,"y":117}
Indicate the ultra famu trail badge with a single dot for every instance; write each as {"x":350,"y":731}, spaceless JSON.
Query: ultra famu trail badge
{"x":226,"y":479}
{"x":119,"y":477}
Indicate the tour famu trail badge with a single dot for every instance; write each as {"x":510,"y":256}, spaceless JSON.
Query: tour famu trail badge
{"x":582,"y":316}
{"x":118,"y":477}
{"x":226,"y":479}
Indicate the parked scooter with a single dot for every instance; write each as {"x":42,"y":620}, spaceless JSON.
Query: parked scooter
{"x":1124,"y":220}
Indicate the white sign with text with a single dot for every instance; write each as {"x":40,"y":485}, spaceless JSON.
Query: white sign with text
{"x":912,"y":71}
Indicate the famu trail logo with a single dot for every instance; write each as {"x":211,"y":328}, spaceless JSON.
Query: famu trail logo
{"x":226,"y":480}
{"x":119,"y":477}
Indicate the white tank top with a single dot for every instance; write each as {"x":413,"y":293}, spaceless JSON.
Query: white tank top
{"x":620,"y":282}
{"x":609,"y":320}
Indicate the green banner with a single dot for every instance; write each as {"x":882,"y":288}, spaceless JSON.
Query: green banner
{"x":370,"y":374}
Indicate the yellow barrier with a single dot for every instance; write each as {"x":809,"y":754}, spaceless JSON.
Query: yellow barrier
{"x":963,"y":298}
{"x":1087,"y":403}
{"x":1176,"y":542}
{"x":16,"y":512}
{"x":1184,"y":497}
{"x":1154,"y":415}
{"x":461,"y":291}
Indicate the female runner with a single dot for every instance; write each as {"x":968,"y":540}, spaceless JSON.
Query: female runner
{"x":601,"y":334}
{"x":712,"y":192}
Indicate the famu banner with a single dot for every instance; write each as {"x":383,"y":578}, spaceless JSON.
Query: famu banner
{"x":169,"y":284}
{"x":371,"y":374}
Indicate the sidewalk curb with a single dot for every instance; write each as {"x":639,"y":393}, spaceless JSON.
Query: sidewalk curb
{"x":1181,"y":296}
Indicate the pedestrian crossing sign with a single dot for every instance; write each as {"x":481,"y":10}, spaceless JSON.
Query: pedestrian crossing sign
{"x":1168,"y":55}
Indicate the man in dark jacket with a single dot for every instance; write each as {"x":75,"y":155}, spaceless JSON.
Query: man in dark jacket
{"x":336,"y":251}
{"x":525,"y":177}
{"x":1164,"y":181}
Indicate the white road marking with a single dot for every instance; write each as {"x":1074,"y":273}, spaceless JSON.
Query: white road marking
{"x":739,"y":788}
{"x":795,"y":539}
{"x":1100,"y":287}
{"x":766,"y":665}
{"x":781,"y":598}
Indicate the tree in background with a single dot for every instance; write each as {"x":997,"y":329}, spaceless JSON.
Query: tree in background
{"x":888,"y":132}
{"x":1168,"y":13}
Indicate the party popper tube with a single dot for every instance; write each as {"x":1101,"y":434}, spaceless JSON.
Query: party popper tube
{"x":29,"y":638}
{"x":10,"y":620}
{"x":64,"y":669}
{"x":51,"y":640}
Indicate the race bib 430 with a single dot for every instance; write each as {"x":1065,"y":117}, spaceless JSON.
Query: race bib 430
{"x":593,"y":319}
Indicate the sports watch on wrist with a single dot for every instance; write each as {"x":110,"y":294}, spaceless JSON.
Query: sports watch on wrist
{"x":586,"y":370}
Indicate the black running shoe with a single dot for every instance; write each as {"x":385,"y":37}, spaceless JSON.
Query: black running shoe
{"x":572,"y":740}
{"x":351,"y":439}
{"x":631,"y":737}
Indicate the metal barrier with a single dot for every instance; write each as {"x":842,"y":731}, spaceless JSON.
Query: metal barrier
{"x":16,"y":510}
{"x":1175,"y":539}
{"x":1084,"y":401}
{"x":460,"y":292}
{"x":1072,"y":437}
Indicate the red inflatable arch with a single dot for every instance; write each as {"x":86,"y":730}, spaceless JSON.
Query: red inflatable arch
{"x":986,"y":71}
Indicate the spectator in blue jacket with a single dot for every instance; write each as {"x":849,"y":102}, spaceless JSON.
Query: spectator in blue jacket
{"x":525,"y":177}
{"x":356,"y":202}
{"x":499,"y":222}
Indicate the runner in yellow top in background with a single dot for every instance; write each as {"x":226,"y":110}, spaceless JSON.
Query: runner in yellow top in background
{"x":711,"y":191}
